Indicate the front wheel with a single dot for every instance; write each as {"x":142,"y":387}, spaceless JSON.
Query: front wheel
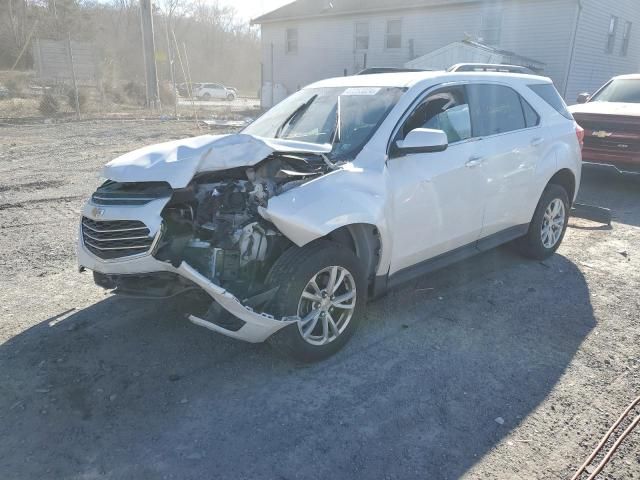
{"x":323,"y":284}
{"x":231,"y":97}
{"x":548,"y":226}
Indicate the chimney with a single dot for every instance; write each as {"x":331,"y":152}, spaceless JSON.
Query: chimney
{"x":327,"y":5}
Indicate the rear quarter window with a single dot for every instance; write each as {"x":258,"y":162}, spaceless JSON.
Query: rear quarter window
{"x":549,"y":94}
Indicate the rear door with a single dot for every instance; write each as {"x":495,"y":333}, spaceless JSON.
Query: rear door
{"x":512,"y":141}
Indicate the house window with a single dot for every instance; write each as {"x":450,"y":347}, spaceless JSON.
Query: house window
{"x":362,"y":36}
{"x":626,"y":35}
{"x":394,"y":34}
{"x":491,"y":27}
{"x":611,"y":37}
{"x":292,"y":40}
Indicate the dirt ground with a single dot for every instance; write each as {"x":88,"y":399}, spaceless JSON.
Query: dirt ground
{"x":497,"y":368}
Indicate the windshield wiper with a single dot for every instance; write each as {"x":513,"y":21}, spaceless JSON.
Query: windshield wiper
{"x":296,"y":113}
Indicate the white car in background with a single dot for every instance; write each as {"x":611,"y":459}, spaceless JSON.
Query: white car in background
{"x":214,"y":91}
{"x":347,"y":188}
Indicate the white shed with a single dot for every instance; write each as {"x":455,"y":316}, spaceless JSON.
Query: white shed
{"x":468,"y":51}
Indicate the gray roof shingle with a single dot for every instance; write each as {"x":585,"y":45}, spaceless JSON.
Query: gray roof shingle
{"x":315,"y":8}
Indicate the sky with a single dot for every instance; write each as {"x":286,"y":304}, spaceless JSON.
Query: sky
{"x":248,"y":9}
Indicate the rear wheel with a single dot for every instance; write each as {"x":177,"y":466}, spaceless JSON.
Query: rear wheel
{"x":206,"y":96}
{"x":324,"y":285}
{"x":548,"y":226}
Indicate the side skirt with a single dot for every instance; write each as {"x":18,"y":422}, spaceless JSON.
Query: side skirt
{"x":382,"y":283}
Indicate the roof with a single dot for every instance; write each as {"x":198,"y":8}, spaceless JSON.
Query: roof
{"x":410,"y":79}
{"x":631,"y":76}
{"x":318,"y":8}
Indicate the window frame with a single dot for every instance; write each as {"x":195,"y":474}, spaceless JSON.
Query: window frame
{"x":356,"y":36}
{"x":626,"y":38}
{"x":434,"y":89}
{"x":387,"y":34}
{"x":472,"y":109}
{"x":612,"y":33}
{"x":289,"y":41}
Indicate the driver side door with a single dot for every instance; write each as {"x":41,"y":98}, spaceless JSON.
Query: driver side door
{"x":438,"y":198}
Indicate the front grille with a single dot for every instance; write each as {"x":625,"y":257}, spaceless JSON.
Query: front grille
{"x":115,"y":238}
{"x":116,"y":193}
{"x":610,"y":133}
{"x":620,"y":145}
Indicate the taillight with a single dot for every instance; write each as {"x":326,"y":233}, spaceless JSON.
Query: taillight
{"x":580,"y":135}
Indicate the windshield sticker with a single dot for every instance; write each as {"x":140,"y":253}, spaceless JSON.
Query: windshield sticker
{"x":361,"y":91}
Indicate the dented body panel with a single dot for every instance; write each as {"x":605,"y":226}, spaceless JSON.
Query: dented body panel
{"x":178,"y":161}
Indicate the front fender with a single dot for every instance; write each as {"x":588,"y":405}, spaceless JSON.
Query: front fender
{"x":344,"y":197}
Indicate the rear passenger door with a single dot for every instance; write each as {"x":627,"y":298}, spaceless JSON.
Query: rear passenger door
{"x":511,"y":143}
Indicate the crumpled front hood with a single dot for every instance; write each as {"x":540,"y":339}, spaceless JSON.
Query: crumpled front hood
{"x":178,"y":161}
{"x":607,"y":108}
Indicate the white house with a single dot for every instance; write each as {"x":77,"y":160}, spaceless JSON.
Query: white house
{"x":582,"y":43}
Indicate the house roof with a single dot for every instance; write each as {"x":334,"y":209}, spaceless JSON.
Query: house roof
{"x":317,"y":8}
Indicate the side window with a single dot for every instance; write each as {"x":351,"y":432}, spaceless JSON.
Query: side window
{"x":446,"y":110}
{"x":530,"y":115}
{"x":497,"y":109}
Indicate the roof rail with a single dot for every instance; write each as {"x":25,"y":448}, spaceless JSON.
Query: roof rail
{"x":489,"y":67}
{"x":374,"y":70}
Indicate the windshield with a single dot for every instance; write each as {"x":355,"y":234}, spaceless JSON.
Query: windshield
{"x":622,"y":90}
{"x":311,"y":115}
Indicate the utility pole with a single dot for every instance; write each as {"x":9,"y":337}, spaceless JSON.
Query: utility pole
{"x":73,"y":76}
{"x":149,"y":54}
{"x":171,"y":68}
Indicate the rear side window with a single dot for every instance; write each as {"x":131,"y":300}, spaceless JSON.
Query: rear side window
{"x":549,"y":94}
{"x":497,"y":109}
{"x":530,"y":115}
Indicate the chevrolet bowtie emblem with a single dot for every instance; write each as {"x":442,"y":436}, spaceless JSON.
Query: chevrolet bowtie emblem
{"x":602,"y":134}
{"x":97,"y":212}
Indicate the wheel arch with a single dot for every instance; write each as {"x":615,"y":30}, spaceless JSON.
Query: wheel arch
{"x":566,"y":179}
{"x":364,"y":240}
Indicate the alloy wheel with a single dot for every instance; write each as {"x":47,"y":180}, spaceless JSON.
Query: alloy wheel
{"x":326,"y":305}
{"x":553,"y":223}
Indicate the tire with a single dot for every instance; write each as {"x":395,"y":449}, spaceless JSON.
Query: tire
{"x":206,"y":97}
{"x":293,"y":272}
{"x":535,"y":244}
{"x":231,"y":97}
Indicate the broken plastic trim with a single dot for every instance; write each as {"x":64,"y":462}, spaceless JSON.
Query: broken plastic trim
{"x":258,"y":326}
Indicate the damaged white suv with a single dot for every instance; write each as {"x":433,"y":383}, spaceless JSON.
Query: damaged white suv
{"x":346,"y":188}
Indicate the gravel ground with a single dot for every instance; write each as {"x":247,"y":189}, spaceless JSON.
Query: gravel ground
{"x":497,"y":368}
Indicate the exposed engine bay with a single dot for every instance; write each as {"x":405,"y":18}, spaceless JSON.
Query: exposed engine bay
{"x":214,"y":224}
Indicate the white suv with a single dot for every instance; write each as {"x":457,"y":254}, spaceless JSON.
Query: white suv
{"x":209,"y":91}
{"x":348,"y":187}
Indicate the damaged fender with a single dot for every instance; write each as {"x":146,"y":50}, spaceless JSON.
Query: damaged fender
{"x":341,"y":198}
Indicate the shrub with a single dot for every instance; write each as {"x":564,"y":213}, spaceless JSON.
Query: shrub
{"x":82,"y":99}
{"x":136,"y":92}
{"x":49,"y":106}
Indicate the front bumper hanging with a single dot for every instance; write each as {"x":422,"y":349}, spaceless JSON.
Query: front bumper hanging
{"x":258,"y":326}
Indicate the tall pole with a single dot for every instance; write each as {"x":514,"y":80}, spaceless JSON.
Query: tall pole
{"x":73,"y":76}
{"x":171,"y":68}
{"x":149,"y":53}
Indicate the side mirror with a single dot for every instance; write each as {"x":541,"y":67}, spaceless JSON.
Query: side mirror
{"x":583,"y":98}
{"x":421,"y":140}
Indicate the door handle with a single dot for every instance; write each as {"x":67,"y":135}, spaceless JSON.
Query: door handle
{"x":537,"y":141}
{"x":474,"y":162}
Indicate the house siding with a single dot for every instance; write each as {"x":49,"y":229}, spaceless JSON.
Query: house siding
{"x":540,"y":29}
{"x":592,"y":66}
